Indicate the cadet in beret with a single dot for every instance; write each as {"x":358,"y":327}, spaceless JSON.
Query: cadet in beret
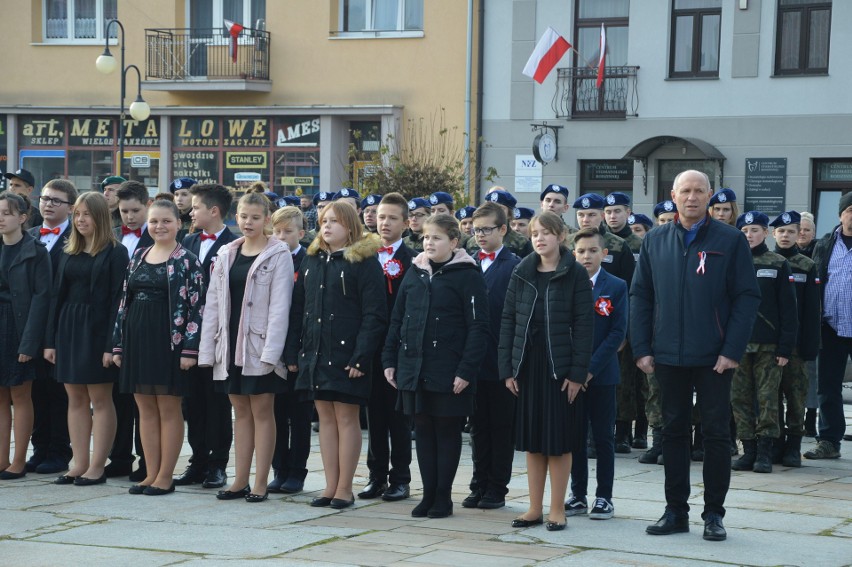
{"x":616,"y":211}
{"x":554,"y":198}
{"x":640,"y":224}
{"x":350,"y":196}
{"x":518,"y":244}
{"x":321,"y":200}
{"x":619,"y":262}
{"x":757,"y":380}
{"x":794,"y":376}
{"x":665,"y":212}
{"x":183,"y":199}
{"x":109,"y":187}
{"x":288,"y":201}
{"x":521,"y":221}
{"x":441,"y":202}
{"x":419,"y":210}
{"x":369,"y":212}
{"x":465,"y":218}
{"x":723,"y":206}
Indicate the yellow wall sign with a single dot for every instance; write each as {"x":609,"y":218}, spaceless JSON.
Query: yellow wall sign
{"x":297,"y":181}
{"x":242,"y":160}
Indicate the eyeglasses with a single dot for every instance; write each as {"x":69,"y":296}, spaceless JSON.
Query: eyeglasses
{"x":419,"y":215}
{"x":53,"y":201}
{"x":484,"y":230}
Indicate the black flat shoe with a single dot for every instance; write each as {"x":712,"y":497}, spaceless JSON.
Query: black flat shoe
{"x":65,"y":479}
{"x":255,"y":498}
{"x":522,"y":523}
{"x":137,"y":489}
{"x":234,"y":495}
{"x":83,"y":481}
{"x":554,"y":526}
{"x":6,"y":475}
{"x":154,"y":491}
{"x":320,"y":502}
{"x":340,"y":503}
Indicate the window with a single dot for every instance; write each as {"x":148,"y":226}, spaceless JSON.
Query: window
{"x":204,"y":14}
{"x":695,"y":38}
{"x":802,"y":38}
{"x":381,"y":15}
{"x":832,"y":179}
{"x":78,"y":20}
{"x":668,"y":169}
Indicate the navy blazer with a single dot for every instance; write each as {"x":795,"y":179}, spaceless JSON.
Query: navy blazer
{"x":610,"y":305}
{"x":497,"y":278}
{"x":192,"y":242}
{"x":58,"y":250}
{"x":145,"y":241}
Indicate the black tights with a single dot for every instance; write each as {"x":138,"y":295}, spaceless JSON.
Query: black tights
{"x":439,"y":444}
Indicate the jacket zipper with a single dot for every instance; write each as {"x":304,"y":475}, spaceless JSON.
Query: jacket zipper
{"x":527,"y":329}
{"x":343,"y":282}
{"x":473,"y":306}
{"x":547,"y":327}
{"x":171,"y":312}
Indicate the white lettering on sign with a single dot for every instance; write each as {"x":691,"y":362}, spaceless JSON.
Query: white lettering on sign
{"x":297,"y":131}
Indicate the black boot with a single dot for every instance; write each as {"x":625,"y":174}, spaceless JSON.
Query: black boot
{"x":640,"y":435}
{"x":810,"y":422}
{"x":650,"y":456}
{"x":777,"y":451}
{"x":792,"y":452}
{"x":622,"y":437}
{"x":698,"y":445}
{"x":746,"y":462}
{"x":763,"y":462}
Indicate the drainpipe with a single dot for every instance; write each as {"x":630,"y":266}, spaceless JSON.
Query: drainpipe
{"x":467,"y":94}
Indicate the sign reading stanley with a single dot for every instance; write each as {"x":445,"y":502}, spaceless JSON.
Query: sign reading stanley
{"x":243,"y":160}
{"x":297,"y":131}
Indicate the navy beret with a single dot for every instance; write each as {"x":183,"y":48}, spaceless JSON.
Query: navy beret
{"x":553,"y":188}
{"x":181,"y":183}
{"x":589,"y":201}
{"x":370,"y":200}
{"x":723,"y":195}
{"x":440,"y":197}
{"x":323,"y":196}
{"x":418,"y":203}
{"x":787,"y":218}
{"x":502,"y":198}
{"x":753,"y":217}
{"x":617,"y":198}
{"x":664,"y":207}
{"x":465,"y":212}
{"x":525,"y":212}
{"x":347,"y":193}
{"x":290,"y":201}
{"x":639,"y":218}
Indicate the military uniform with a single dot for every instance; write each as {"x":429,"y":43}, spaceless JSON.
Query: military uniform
{"x":414,"y":241}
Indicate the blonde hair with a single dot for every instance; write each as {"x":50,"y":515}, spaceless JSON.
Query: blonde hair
{"x":103,"y":236}
{"x":289,"y":215}
{"x":347,"y":216}
{"x":808,"y":217}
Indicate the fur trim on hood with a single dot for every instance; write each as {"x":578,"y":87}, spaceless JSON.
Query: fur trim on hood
{"x":460,"y":256}
{"x":365,"y":248}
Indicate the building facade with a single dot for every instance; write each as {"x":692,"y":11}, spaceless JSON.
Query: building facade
{"x":753,"y":92}
{"x":284,"y":100}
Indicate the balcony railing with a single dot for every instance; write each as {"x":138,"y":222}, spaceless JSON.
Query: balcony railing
{"x":577,"y":95}
{"x":193,"y":54}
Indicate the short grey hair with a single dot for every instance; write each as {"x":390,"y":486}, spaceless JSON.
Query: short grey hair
{"x":808,"y":217}
{"x":689,"y":172}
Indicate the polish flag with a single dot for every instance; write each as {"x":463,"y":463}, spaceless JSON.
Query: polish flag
{"x":234,"y":29}
{"x":548,"y":51}
{"x":602,"y":59}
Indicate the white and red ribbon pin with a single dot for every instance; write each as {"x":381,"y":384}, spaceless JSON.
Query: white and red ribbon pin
{"x":702,"y":260}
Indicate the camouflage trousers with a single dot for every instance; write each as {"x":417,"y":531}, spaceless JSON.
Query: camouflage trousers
{"x":755,"y":386}
{"x":653,"y":409}
{"x":794,"y":389}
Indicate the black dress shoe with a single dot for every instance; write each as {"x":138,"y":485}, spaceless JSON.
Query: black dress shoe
{"x":233,"y":494}
{"x":554,"y":526}
{"x":137,"y":489}
{"x":320,"y":502}
{"x":396,"y":492}
{"x":491,"y":501}
{"x":293,"y":485}
{"x":34,"y":462}
{"x":139,"y":474}
{"x":216,"y":478}
{"x":670,"y":523}
{"x":6,"y":475}
{"x":275,"y":485}
{"x":472,"y":500}
{"x":65,"y":479}
{"x":83,"y":481}
{"x":522,"y":523}
{"x":113,"y":470}
{"x":154,"y":491}
{"x":714,"y":530}
{"x":340,"y":503}
{"x":191,"y":475}
{"x":52,"y":465}
{"x":373,"y":490}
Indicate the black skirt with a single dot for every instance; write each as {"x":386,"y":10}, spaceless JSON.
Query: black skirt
{"x":330,"y":396}
{"x":80,"y":348}
{"x":242,"y":385}
{"x":12,"y":372}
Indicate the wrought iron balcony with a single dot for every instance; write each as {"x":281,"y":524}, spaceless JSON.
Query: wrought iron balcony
{"x":577,"y":95}
{"x":202,"y":59}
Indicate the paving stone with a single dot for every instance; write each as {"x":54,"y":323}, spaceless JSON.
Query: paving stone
{"x":599,"y":557}
{"x":17,"y":523}
{"x":455,"y":558}
{"x":44,"y":554}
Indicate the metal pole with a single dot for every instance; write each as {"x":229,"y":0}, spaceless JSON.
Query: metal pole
{"x":467,"y":96}
{"x":121,"y":112}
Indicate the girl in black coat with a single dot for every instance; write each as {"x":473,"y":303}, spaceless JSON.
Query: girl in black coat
{"x":25,"y":276}
{"x":436,"y":343}
{"x":544,"y":353}
{"x":79,"y":341}
{"x":340,"y":287}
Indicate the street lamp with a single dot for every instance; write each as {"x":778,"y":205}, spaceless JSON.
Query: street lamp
{"x":139,"y":109}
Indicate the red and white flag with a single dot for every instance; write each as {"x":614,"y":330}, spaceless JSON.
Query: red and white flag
{"x":234,"y":29}
{"x":547,"y":53}
{"x":602,"y":59}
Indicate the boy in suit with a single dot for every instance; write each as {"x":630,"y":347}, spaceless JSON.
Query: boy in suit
{"x":492,"y":425}
{"x":208,"y":413}
{"x":598,"y":404}
{"x":133,"y":204}
{"x":390,"y":472}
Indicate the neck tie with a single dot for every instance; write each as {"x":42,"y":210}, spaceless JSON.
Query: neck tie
{"x":489,"y":255}
{"x":125,"y":231}
{"x":44,"y":231}
{"x":205,"y":236}
{"x":386,"y":250}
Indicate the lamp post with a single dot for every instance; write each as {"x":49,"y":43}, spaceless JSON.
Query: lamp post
{"x":139,"y":109}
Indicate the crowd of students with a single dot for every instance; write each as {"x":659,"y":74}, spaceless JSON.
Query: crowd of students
{"x":151,"y":313}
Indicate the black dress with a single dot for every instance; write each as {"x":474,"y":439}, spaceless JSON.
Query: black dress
{"x":237,"y":383}
{"x":12,"y":372}
{"x":545,"y":423}
{"x":80,"y":342}
{"x":150,"y":364}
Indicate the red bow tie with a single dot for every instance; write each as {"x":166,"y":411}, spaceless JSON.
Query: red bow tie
{"x":387,"y":250}
{"x":489,"y":255}
{"x":125,"y":231}
{"x":205,"y":236}
{"x":44,"y":231}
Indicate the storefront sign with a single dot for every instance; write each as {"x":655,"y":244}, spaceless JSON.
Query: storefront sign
{"x":766,"y":185}
{"x":527,"y":174}
{"x":297,"y":131}
{"x":199,"y":165}
{"x":291,"y":181}
{"x":196,"y":132}
{"x":87,"y":131}
{"x":840,"y":171}
{"x":245,"y":132}
{"x":42,"y":131}
{"x":244,"y":160}
{"x":620,"y":170}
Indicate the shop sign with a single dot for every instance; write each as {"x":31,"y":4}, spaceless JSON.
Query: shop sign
{"x":243,"y":160}
{"x":199,"y":165}
{"x":297,"y":131}
{"x":144,"y":133}
{"x":139,"y":159}
{"x":246,"y":133}
{"x":41,"y":131}
{"x":835,"y":171}
{"x":292,"y":181}
{"x":196,"y":132}
{"x":621,"y":170}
